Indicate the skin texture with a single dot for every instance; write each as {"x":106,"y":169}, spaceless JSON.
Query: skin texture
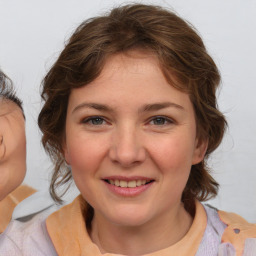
{"x":12,"y":147}
{"x":130,"y":122}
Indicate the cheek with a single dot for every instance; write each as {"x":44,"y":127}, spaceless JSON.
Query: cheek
{"x":13,"y":168}
{"x":85,"y":154}
{"x":22,"y":145}
{"x":16,"y":147}
{"x":173,"y":154}
{"x":18,"y":157}
{"x":173,"y":159}
{"x":4,"y":180}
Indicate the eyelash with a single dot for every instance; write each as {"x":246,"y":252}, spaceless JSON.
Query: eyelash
{"x":164,"y":121}
{"x":91,"y":119}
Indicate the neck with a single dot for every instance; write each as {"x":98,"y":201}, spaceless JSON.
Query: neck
{"x":157,"y":234}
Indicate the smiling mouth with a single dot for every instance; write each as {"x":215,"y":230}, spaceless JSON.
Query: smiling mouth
{"x":128,"y":184}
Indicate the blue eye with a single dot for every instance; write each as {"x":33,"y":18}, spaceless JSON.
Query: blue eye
{"x":94,"y":121}
{"x":160,"y":121}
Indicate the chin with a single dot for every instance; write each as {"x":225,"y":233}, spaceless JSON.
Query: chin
{"x":129,"y":217}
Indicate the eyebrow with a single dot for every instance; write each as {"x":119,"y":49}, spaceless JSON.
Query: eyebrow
{"x":159,"y":106}
{"x":145,"y":108}
{"x":94,"y":106}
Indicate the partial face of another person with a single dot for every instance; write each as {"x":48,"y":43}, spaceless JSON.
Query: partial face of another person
{"x":131,"y":141}
{"x":12,"y":146}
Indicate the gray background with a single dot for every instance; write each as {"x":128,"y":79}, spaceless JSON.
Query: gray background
{"x":32,"y":34}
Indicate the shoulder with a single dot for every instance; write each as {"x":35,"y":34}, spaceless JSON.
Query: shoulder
{"x":8,"y":204}
{"x":26,"y":238}
{"x":22,"y":192}
{"x":239,"y":233}
{"x":211,"y":238}
{"x":33,"y":204}
{"x":233,"y":233}
{"x":26,"y":233}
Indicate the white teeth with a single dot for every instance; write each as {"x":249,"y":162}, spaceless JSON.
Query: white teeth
{"x":127,"y":184}
{"x":138,"y":183}
{"x":123,"y":184}
{"x":132,"y":184}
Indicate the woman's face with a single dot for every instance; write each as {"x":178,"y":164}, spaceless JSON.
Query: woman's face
{"x":12,"y":147}
{"x":131,"y":141}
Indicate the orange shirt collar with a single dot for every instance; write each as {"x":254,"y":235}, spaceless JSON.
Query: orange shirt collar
{"x":67,"y":230}
{"x":8,"y":204}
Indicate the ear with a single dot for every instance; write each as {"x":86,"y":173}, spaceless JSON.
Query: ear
{"x":2,"y":147}
{"x":66,"y":152}
{"x":201,"y":146}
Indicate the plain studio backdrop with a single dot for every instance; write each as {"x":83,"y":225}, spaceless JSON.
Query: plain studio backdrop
{"x":32,"y":34}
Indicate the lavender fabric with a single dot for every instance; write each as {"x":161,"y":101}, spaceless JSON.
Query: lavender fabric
{"x":30,"y":237}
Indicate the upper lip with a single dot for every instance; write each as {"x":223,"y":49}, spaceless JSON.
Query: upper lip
{"x":125,"y":178}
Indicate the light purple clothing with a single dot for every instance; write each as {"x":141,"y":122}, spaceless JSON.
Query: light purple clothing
{"x":30,"y":238}
{"x":26,"y":234}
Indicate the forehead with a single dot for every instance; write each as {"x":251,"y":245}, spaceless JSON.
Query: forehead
{"x":124,"y":76}
{"x":8,"y":106}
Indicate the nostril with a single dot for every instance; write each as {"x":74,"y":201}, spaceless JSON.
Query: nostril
{"x":126,"y":159}
{"x":126,"y":149}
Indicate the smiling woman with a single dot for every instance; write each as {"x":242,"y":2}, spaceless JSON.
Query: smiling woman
{"x":149,"y":139}
{"x":130,"y":114}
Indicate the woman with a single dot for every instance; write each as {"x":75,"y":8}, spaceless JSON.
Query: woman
{"x":12,"y":152}
{"x":130,"y":114}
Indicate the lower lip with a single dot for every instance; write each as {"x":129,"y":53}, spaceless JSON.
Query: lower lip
{"x":128,"y":192}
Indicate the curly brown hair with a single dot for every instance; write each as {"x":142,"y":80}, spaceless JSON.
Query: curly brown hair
{"x":184,"y":62}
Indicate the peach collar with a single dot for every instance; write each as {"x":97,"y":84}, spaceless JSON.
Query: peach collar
{"x":8,"y":204}
{"x":237,"y":231}
{"x":6,"y":208}
{"x":66,"y":228}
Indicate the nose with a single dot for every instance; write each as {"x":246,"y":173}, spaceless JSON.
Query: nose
{"x":127,"y":148}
